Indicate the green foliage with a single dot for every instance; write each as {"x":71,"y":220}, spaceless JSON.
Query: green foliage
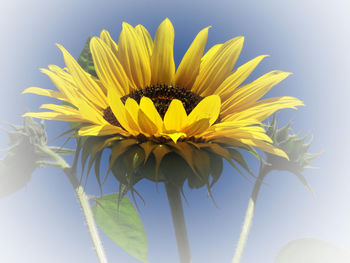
{"x":295,"y":147}
{"x":85,"y":59}
{"x":23,"y":155}
{"x":123,"y":227}
{"x":26,"y":152}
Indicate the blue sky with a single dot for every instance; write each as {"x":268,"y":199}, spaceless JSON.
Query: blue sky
{"x":43,"y":223}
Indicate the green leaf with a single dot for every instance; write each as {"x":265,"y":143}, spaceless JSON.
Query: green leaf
{"x":309,"y":250}
{"x":85,"y":59}
{"x":124,"y":228}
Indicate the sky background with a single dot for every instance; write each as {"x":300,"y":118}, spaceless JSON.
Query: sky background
{"x":43,"y":222}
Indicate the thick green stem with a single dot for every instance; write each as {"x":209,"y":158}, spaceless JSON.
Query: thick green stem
{"x":83,"y":201}
{"x":177,"y":213}
{"x":249,"y":215}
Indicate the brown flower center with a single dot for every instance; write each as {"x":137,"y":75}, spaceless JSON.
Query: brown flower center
{"x":161,"y":95}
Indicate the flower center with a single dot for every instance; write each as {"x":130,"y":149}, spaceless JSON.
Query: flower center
{"x":161,"y":95}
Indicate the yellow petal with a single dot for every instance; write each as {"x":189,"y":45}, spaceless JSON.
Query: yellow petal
{"x":208,"y":108}
{"x":175,"y":117}
{"x":86,"y":107}
{"x":209,"y":54}
{"x":237,"y":77}
{"x":106,"y":37}
{"x":197,"y":127}
{"x":146,"y":38}
{"x":174,"y":135}
{"x":266,"y":147}
{"x":51,"y":115}
{"x":132,"y":112}
{"x":264,"y":108}
{"x":162,"y":61}
{"x":88,"y":114}
{"x":108,"y":68}
{"x":252,"y":132}
{"x":134,"y":57}
{"x":247,"y":95}
{"x":62,"y":85}
{"x":230,"y":125}
{"x":147,"y":106}
{"x":188,"y":69}
{"x":45,"y":92}
{"x":62,"y":73}
{"x":91,"y":89}
{"x":146,"y":125}
{"x":118,"y":110}
{"x":100,"y":130}
{"x":217,"y":67}
{"x":60,"y":108}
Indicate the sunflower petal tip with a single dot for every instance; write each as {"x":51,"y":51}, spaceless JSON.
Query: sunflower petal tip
{"x":167,"y":21}
{"x":240,"y":39}
{"x":27,"y":114}
{"x":126,"y":25}
{"x":59,"y":46}
{"x":93,"y":41}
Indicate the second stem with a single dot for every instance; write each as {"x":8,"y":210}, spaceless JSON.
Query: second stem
{"x":249,"y":215}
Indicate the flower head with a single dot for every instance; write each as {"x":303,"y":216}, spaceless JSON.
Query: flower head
{"x":296,"y":148}
{"x":24,"y":154}
{"x":157,"y":119}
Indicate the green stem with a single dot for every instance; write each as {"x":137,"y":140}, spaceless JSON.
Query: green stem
{"x":83,"y":201}
{"x":177,"y":213}
{"x":249,"y":214}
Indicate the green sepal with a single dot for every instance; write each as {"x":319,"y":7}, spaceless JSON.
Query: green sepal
{"x":159,"y":152}
{"x":202,"y":164}
{"x":87,"y":149}
{"x":216,"y":167}
{"x":175,"y":169}
{"x":148,"y":170}
{"x":133,"y":159}
{"x":61,"y":150}
{"x":237,"y":156}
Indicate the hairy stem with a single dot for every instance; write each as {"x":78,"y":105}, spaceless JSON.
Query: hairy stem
{"x":249,"y":215}
{"x":177,"y":213}
{"x":83,"y":201}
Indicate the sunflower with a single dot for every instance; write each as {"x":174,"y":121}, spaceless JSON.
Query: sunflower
{"x":154,"y":118}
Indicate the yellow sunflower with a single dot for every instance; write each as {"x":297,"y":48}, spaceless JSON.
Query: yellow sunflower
{"x":150,"y":114}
